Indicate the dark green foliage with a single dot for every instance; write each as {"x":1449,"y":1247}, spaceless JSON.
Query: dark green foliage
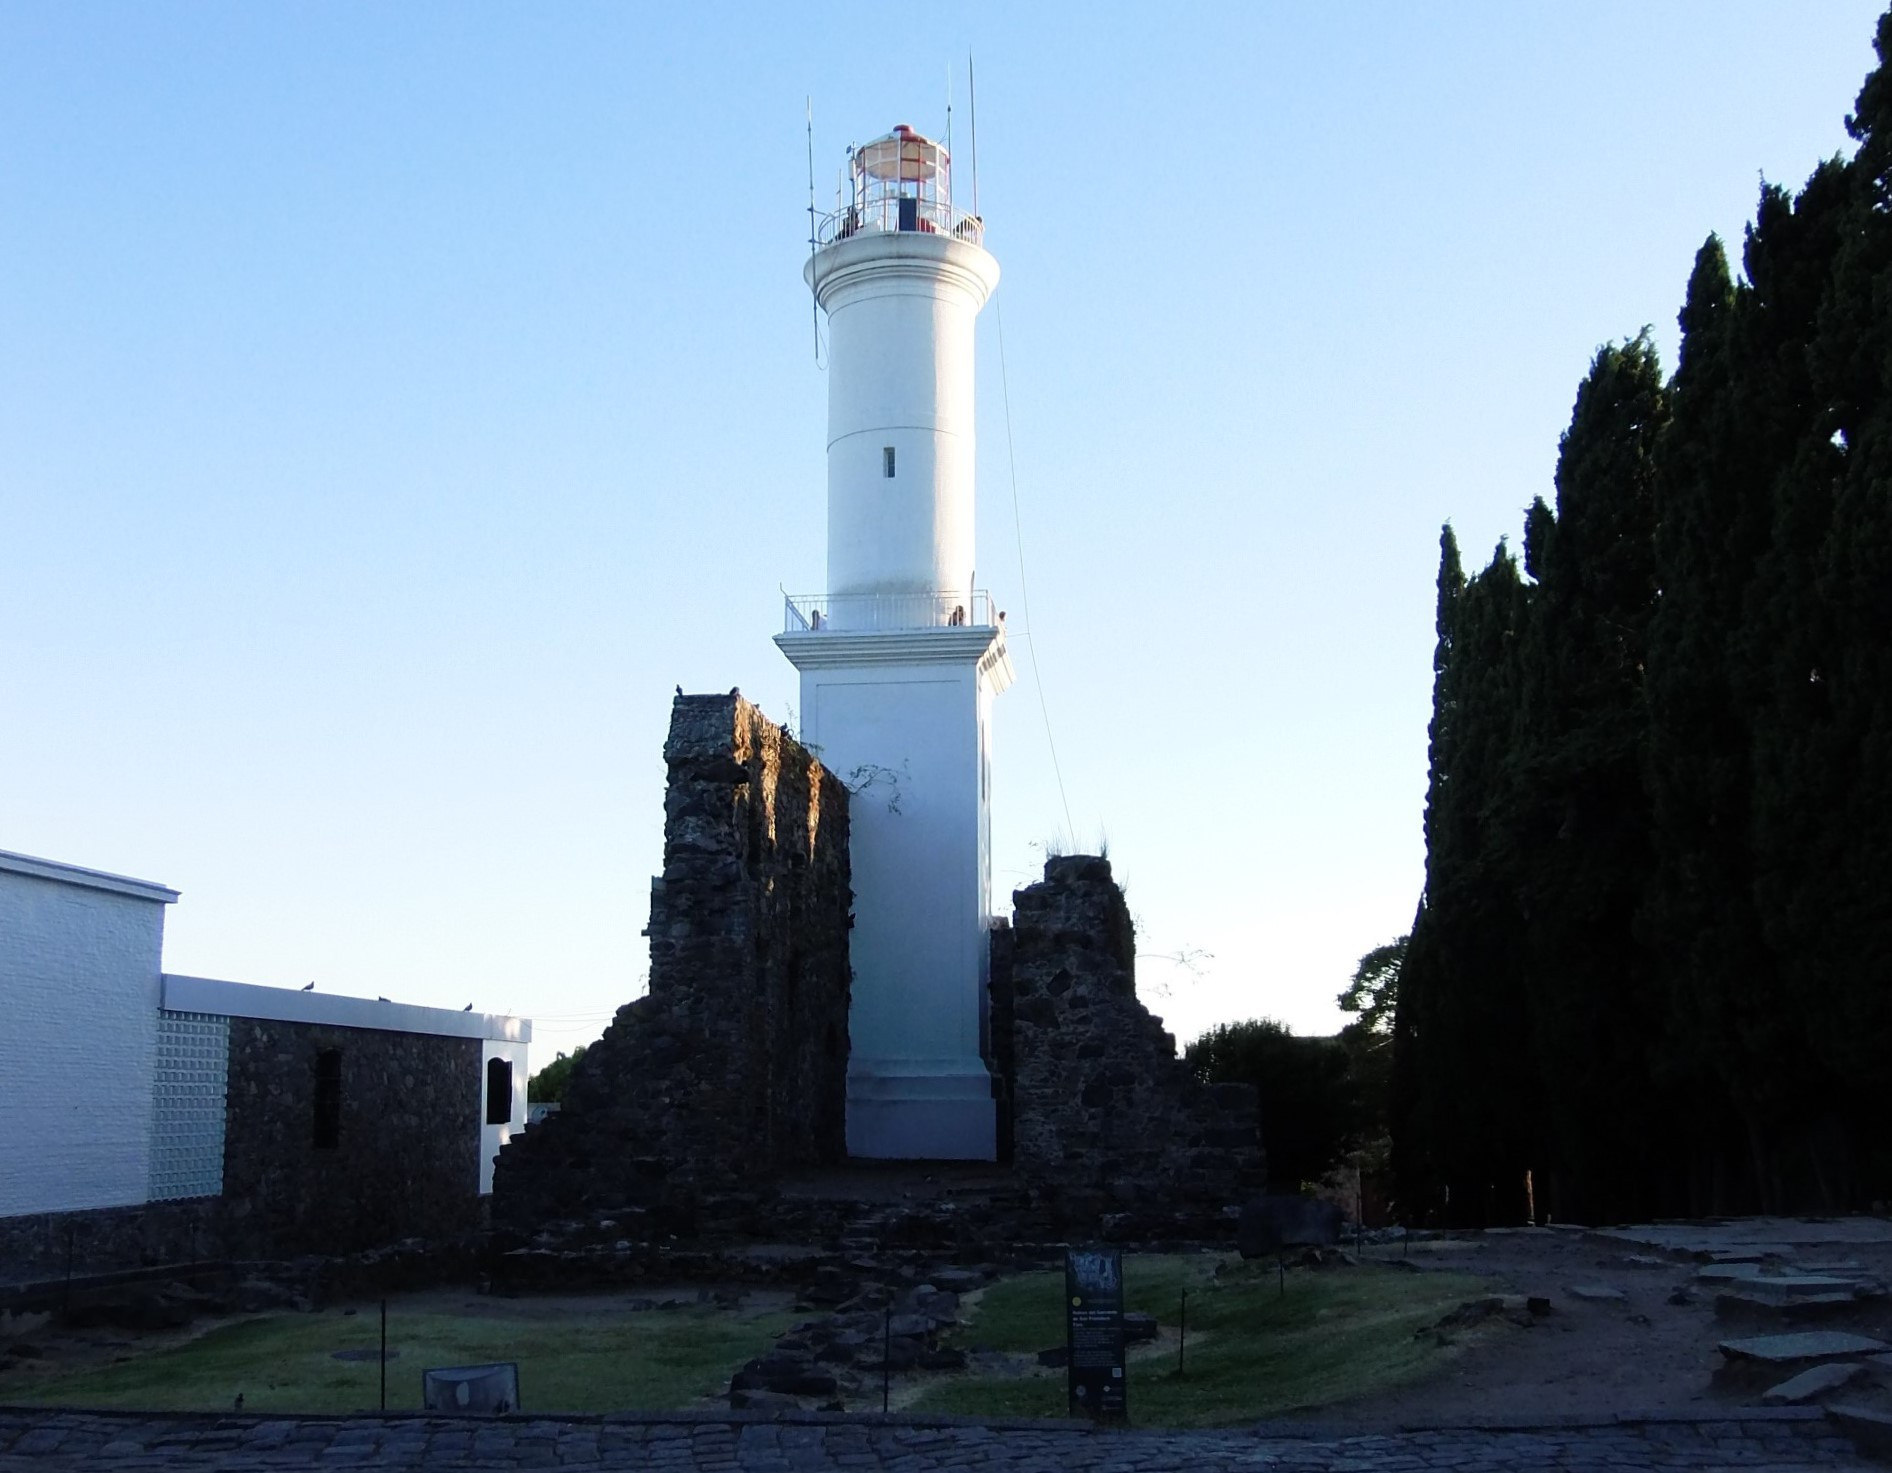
{"x":1310,"y":1108}
{"x":1653,"y":962}
{"x":1572,"y":844}
{"x":1374,"y":991}
{"x":1698,"y":923}
{"x":548,"y":1085}
{"x":1464,"y":1104}
{"x":1373,"y":996}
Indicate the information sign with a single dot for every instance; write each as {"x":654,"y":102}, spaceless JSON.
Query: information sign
{"x":1093,"y":1307}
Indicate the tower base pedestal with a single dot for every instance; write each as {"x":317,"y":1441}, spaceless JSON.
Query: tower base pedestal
{"x":907,"y":1111}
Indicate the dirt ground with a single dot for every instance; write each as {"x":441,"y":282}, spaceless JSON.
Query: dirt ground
{"x":1644,"y":1353}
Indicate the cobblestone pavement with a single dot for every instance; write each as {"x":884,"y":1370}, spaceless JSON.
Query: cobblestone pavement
{"x":53,"y":1442}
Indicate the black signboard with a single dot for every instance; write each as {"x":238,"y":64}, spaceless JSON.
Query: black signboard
{"x":1093,"y":1308}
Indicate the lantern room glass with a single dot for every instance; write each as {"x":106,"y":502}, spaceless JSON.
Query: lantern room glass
{"x":900,"y":182}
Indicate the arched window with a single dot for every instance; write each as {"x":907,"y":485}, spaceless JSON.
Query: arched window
{"x":498,"y":1091}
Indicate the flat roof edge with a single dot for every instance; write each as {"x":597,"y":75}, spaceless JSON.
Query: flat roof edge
{"x":90,"y":879}
{"x":286,"y":1005}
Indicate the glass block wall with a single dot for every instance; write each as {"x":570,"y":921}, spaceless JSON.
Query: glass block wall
{"x":188,"y":1105}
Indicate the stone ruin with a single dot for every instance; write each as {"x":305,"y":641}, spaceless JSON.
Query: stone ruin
{"x":1104,"y":1119}
{"x":730,"y":1076}
{"x":733,"y":1067}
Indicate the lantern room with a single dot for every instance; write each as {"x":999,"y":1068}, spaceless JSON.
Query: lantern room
{"x":900,"y":182}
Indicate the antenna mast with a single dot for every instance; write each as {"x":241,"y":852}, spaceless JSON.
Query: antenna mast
{"x":972,"y":101}
{"x":949,"y":123}
{"x":814,"y":305}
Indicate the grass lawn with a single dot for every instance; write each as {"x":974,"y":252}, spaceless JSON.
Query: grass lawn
{"x":593,"y":1360}
{"x":1252,"y":1351}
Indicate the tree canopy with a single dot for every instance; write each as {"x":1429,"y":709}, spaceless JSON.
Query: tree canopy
{"x":1310,"y":1108}
{"x":548,"y":1085}
{"x":1651,"y":969}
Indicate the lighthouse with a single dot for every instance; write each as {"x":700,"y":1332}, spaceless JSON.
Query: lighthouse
{"x":901,"y":656}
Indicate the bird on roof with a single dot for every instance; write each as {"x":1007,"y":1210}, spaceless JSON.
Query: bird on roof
{"x":380,"y":999}
{"x":735,"y":690}
{"x":309,"y":988}
{"x":467,"y":1009}
{"x":679,"y":690}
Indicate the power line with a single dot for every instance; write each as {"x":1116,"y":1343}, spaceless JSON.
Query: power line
{"x":1024,"y":593}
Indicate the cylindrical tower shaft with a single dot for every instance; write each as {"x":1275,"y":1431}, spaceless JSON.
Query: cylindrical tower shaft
{"x":901,"y":307}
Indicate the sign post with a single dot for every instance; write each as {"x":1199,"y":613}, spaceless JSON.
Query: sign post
{"x":1093,"y":1309}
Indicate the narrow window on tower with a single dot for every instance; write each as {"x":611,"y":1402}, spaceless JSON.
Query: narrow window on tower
{"x":886,"y":461}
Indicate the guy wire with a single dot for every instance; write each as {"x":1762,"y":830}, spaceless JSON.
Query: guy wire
{"x":1024,"y":593}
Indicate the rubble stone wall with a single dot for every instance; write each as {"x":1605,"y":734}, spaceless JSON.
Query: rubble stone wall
{"x":1105,"y":1117}
{"x":734,"y":1066}
{"x":109,"y":1239}
{"x":404,"y":1158}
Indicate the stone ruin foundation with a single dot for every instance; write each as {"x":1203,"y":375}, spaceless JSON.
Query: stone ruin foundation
{"x":710,"y":1118}
{"x":1108,"y":1127}
{"x":734,"y":1067}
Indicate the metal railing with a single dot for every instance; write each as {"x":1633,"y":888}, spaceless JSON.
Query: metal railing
{"x":851,"y":613}
{"x":896,"y":213}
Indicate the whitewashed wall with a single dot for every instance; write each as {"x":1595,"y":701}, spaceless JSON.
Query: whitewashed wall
{"x":80,"y":960}
{"x":901,"y":309}
{"x":492,"y":1137}
{"x":903,"y":720}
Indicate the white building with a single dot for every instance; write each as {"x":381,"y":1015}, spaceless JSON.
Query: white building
{"x":131,"y":1099}
{"x":81,"y":975}
{"x":902,"y":655}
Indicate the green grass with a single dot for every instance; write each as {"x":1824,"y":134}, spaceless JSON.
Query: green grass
{"x":1252,"y":1351}
{"x":598,"y":1360}
{"x":1335,"y":1335}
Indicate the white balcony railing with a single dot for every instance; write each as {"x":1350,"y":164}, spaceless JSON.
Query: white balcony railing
{"x":818,"y":613}
{"x":897,"y":213}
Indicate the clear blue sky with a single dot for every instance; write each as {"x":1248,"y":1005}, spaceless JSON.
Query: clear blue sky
{"x":397,"y":401}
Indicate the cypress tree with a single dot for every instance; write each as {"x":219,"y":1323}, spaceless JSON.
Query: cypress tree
{"x":1823,"y":816}
{"x":1654,"y":932}
{"x":1461,"y":1060}
{"x":1784,"y":657}
{"x":1575,"y":835}
{"x":1698,"y":920}
{"x":1413,"y":1112}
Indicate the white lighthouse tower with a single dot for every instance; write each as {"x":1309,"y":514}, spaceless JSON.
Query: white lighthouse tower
{"x":901,"y":656}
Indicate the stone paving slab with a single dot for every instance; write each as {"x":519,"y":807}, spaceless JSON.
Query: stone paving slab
{"x":1800,"y":1284}
{"x":1783,"y":1440}
{"x":1754,"y":1235}
{"x":1801,"y":1347}
{"x":1815,"y":1383}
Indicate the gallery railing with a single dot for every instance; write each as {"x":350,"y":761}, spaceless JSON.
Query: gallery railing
{"x":901,"y":213}
{"x":816,"y":613}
